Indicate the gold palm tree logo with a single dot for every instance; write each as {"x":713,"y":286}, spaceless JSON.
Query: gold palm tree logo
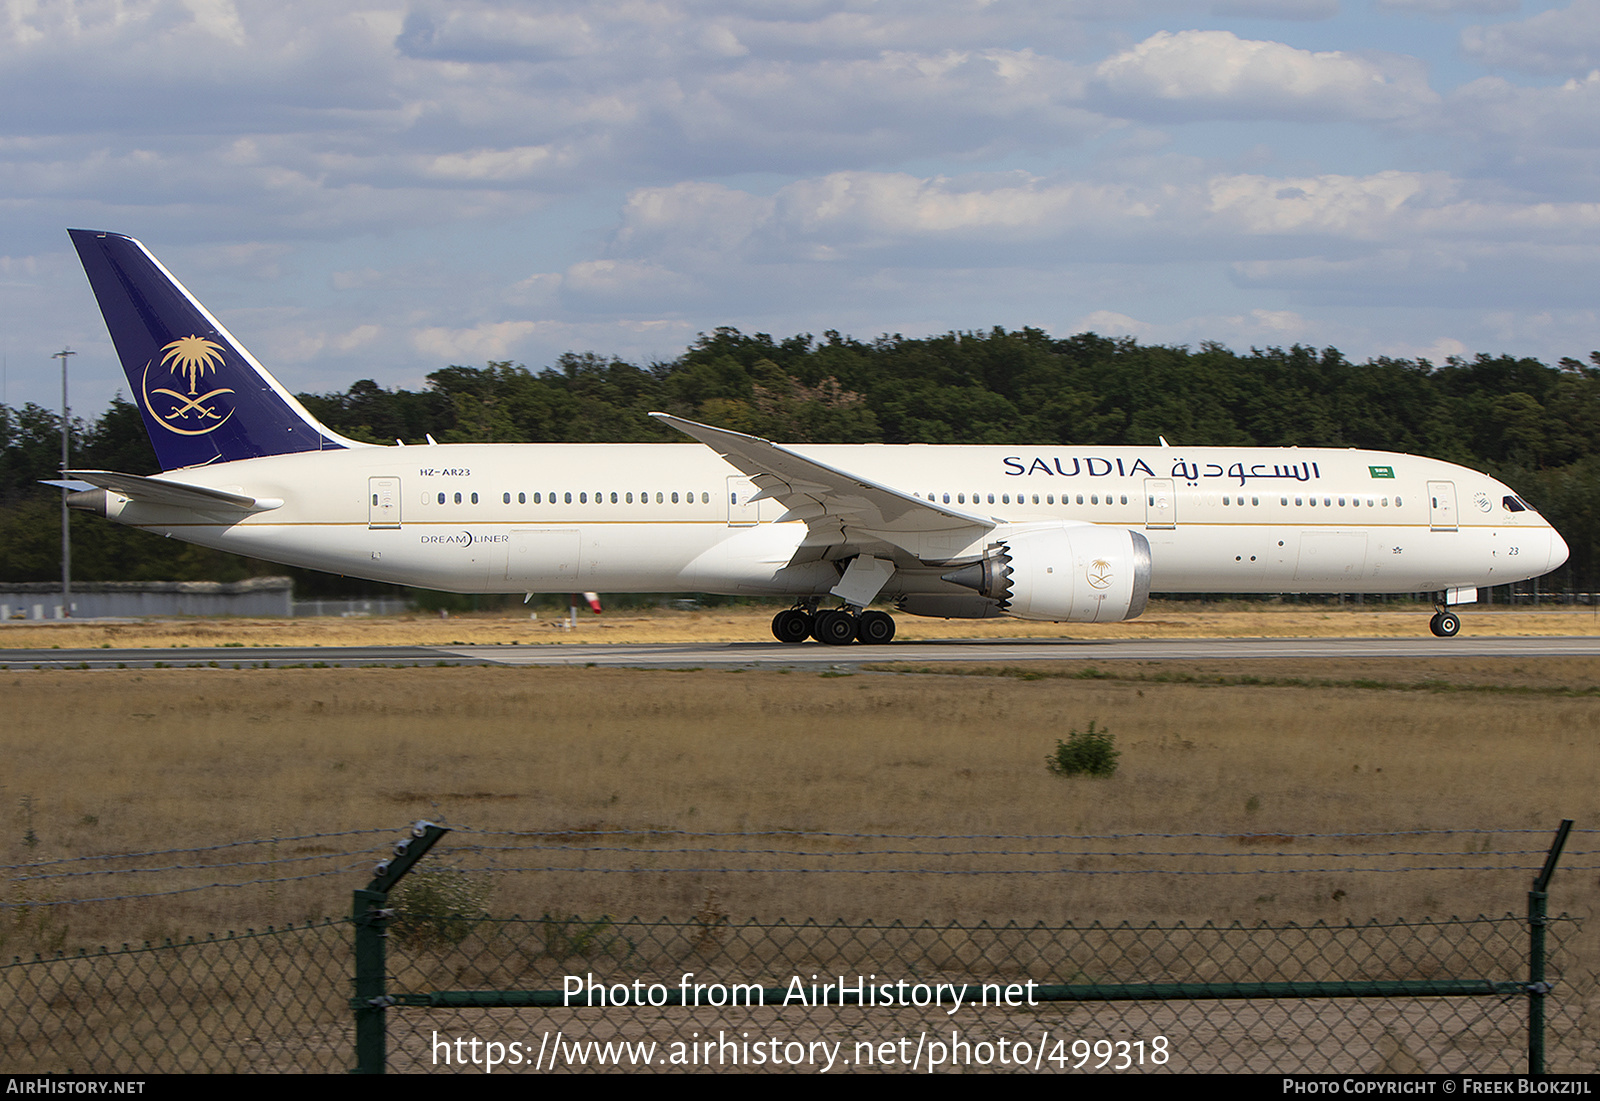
{"x":1099,"y":573}
{"x":192,"y":356}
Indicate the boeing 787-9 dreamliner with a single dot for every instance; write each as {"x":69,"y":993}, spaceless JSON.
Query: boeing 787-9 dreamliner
{"x":1071,"y":534}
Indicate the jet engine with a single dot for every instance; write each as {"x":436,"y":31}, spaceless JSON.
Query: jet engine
{"x":1077,"y":573}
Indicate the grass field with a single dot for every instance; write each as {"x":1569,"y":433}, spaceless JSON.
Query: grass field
{"x":1269,"y":758}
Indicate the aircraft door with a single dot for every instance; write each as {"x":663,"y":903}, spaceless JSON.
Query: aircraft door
{"x":1442,"y":506}
{"x":383,"y":502}
{"x":742,"y":512}
{"x":1160,"y":503}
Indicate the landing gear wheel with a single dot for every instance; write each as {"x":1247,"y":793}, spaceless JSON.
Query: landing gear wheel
{"x":834,"y":627}
{"x":1445,"y":624}
{"x":874,"y":628}
{"x":791,"y":625}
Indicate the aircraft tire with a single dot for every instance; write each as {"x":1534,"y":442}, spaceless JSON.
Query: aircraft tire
{"x":791,"y":625}
{"x":834,"y":627}
{"x":874,"y":628}
{"x":1445,"y":625}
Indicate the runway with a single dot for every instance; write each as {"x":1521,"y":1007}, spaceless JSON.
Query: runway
{"x":807,"y":655}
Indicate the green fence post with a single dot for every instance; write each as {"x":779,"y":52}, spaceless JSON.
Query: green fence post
{"x":370,"y":914}
{"x":1538,"y":988}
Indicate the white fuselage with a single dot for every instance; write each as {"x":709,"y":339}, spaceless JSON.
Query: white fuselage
{"x":676,"y":517}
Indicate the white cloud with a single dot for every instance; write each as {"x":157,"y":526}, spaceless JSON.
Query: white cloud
{"x":1561,"y":40}
{"x":1277,"y":9}
{"x":1343,"y":206}
{"x":1270,"y":324}
{"x":491,"y":340}
{"x":1435,"y":351}
{"x":1450,"y":7}
{"x":1217,"y":74}
{"x":1113,"y":324}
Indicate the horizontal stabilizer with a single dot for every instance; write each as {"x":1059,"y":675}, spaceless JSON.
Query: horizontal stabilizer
{"x":162,"y":492}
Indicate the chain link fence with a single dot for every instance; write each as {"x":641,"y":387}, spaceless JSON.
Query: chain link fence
{"x":425,"y":981}
{"x":267,"y":1001}
{"x":1432,"y":996}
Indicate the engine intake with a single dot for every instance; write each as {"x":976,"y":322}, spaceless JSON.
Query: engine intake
{"x":1072,"y":573}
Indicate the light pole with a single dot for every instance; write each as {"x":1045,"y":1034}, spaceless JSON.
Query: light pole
{"x":66,"y":540}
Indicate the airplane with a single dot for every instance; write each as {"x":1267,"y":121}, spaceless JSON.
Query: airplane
{"x":1037,"y":532}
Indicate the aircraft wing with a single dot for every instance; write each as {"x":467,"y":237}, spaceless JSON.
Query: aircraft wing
{"x":837,"y":506}
{"x":163,"y":492}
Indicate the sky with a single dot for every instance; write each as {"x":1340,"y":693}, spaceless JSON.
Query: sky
{"x":370,"y":190}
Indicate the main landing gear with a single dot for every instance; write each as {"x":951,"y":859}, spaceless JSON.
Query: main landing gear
{"x":833,"y":626}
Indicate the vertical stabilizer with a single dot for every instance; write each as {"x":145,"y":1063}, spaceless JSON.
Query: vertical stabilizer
{"x":204,"y":398}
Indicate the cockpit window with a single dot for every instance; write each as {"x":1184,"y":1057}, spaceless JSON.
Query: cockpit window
{"x":1513,"y":503}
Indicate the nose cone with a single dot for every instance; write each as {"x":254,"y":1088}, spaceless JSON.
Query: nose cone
{"x":1558,"y":551}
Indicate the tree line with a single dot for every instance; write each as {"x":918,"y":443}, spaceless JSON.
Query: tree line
{"x":1533,"y":425}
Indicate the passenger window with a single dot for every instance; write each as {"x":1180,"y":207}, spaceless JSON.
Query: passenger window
{"x":947,"y":498}
{"x":441,"y":498}
{"x":674,"y":496}
{"x":458,"y":498}
{"x":474,"y":498}
{"x":613,"y":498}
{"x":522,"y":498}
{"x":568,"y":499}
{"x":505,"y":498}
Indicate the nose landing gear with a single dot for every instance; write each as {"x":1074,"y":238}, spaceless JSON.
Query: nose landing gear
{"x":1445,"y":623}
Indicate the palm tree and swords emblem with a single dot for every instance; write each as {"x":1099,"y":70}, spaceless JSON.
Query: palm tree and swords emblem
{"x":189,"y":357}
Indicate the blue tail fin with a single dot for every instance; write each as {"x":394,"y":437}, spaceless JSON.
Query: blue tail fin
{"x":204,"y":398}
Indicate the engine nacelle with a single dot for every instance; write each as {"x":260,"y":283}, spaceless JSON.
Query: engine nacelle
{"x":1075,"y":573}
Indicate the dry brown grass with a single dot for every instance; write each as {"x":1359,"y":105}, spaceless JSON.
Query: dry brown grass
{"x":1163,"y":620}
{"x":140,"y":760}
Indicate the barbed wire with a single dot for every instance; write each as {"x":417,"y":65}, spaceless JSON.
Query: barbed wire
{"x":31,"y":904}
{"x":188,"y":867}
{"x":195,"y":848}
{"x":655,"y":831}
{"x":723,"y":869}
{"x":1261,"y":860}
